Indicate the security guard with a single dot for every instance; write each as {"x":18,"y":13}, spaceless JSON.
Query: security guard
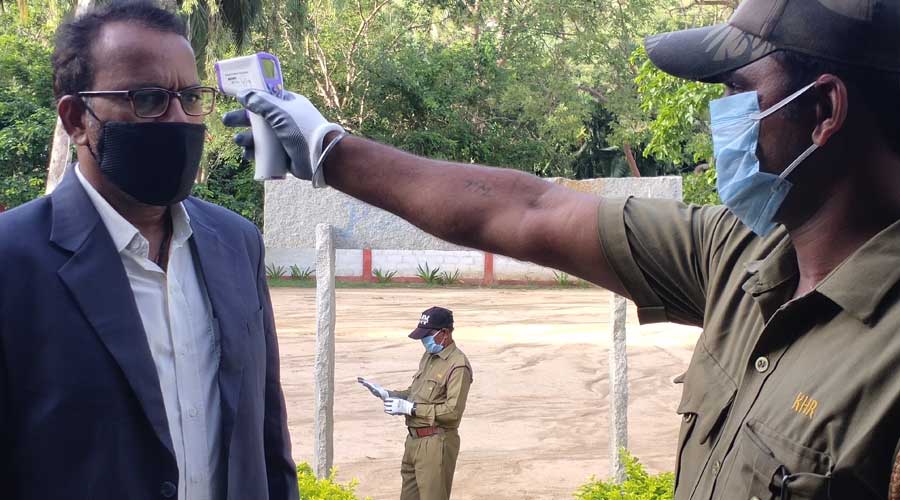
{"x":433,"y":405}
{"x":792,"y":389}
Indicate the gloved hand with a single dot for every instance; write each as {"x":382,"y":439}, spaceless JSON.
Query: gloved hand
{"x":297,"y":124}
{"x":397,"y":406}
{"x":374,"y":388}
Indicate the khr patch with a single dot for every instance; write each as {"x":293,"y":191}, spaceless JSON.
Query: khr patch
{"x":805,"y":405}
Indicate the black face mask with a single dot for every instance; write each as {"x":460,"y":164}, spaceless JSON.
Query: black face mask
{"x":155,"y":162}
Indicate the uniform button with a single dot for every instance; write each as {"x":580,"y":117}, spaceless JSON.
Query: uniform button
{"x":762,"y":364}
{"x":754,"y":497}
{"x":168,"y":490}
{"x":716,"y":466}
{"x":193,"y":411}
{"x":687,"y":417}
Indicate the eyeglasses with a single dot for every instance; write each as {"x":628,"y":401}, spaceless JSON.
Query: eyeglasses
{"x":154,"y":102}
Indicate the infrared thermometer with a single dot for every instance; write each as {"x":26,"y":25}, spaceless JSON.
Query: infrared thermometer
{"x":260,"y":71}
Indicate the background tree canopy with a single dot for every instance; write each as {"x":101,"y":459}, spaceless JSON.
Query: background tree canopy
{"x":548,"y":87}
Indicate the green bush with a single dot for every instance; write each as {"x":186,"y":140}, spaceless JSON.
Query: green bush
{"x":27,"y":110}
{"x":312,"y":488}
{"x":448,"y":278}
{"x":274,"y":272}
{"x":562,"y":279}
{"x":384,"y":276}
{"x":428,"y":275}
{"x":638,"y":485}
{"x":302,"y":274}
{"x":700,"y":189}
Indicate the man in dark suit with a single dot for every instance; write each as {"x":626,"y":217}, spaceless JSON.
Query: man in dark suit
{"x":138,"y":356}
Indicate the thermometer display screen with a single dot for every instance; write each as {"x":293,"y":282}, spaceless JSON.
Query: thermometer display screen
{"x":268,"y":67}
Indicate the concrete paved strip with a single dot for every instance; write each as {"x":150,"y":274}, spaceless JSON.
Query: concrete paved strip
{"x":537,"y":422}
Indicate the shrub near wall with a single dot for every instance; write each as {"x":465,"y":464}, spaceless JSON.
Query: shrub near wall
{"x":638,"y":485}
{"x":312,"y":488}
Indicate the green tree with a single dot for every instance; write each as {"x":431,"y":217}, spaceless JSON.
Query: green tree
{"x":553,"y":88}
{"x":27,"y":110}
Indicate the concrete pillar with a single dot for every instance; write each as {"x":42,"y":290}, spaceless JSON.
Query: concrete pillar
{"x":618,"y":388}
{"x":323,"y":454}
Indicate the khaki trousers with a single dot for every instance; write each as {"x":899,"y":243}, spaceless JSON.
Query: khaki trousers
{"x":428,"y":466}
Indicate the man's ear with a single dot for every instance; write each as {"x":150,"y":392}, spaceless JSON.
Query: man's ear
{"x":831,"y":108}
{"x":73,"y":114}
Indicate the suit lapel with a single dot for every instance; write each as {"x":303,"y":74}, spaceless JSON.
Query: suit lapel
{"x":95,"y":276}
{"x":215,"y":262}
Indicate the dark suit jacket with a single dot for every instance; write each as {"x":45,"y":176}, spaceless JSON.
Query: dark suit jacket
{"x":81,"y":411}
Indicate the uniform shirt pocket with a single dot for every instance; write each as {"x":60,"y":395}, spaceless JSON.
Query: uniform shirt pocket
{"x":432,"y":390}
{"x":705,"y":400}
{"x":770,"y":467}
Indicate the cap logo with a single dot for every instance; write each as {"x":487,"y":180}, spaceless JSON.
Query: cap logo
{"x":423,"y":320}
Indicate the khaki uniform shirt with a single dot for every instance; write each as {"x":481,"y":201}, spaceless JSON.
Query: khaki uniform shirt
{"x":439,"y":389}
{"x":800,"y":394}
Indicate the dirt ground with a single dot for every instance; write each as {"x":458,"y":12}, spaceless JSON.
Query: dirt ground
{"x":536,"y":424}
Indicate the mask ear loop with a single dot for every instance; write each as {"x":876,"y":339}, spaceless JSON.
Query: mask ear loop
{"x":784,"y":102}
{"x":794,"y":164}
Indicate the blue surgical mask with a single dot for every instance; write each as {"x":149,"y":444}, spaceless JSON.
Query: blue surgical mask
{"x":752,"y":195}
{"x":431,"y":346}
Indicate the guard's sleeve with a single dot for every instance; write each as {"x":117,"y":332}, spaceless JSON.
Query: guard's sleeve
{"x":664,"y":253}
{"x":449,"y":413}
{"x":403,"y":394}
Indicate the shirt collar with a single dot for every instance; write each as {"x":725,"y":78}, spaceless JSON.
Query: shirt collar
{"x":122,"y":231}
{"x":181,"y":224}
{"x":773,"y":270}
{"x":447,"y":351}
{"x":858,"y":285}
{"x":861,"y":283}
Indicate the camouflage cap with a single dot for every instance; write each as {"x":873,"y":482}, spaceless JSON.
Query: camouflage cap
{"x":864,"y":33}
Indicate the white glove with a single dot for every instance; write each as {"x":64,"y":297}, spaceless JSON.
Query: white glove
{"x":297,"y":124}
{"x":374,"y":388}
{"x":397,"y":406}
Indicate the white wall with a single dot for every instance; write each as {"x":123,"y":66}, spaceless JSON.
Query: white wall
{"x":347,"y":262}
{"x":469,"y":263}
{"x":293,"y":208}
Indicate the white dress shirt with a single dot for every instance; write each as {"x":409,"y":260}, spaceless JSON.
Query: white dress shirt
{"x":177,"y":319}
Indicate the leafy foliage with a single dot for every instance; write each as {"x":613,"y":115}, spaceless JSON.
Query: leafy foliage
{"x":226,"y":178}
{"x":638,"y":485}
{"x":428,"y":275}
{"x":383,"y":276}
{"x":679,"y":132}
{"x":302,"y":274}
{"x":700,"y":188}
{"x":312,"y":488}
{"x":448,"y":278}
{"x":274,"y":272}
{"x":27,"y":109}
{"x":557,"y":89}
{"x":562,"y":279}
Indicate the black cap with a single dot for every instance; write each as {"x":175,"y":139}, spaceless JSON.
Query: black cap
{"x":432,"y":320}
{"x":863,"y":33}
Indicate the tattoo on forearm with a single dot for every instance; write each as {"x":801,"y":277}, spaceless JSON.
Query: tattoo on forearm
{"x":479,"y":187}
